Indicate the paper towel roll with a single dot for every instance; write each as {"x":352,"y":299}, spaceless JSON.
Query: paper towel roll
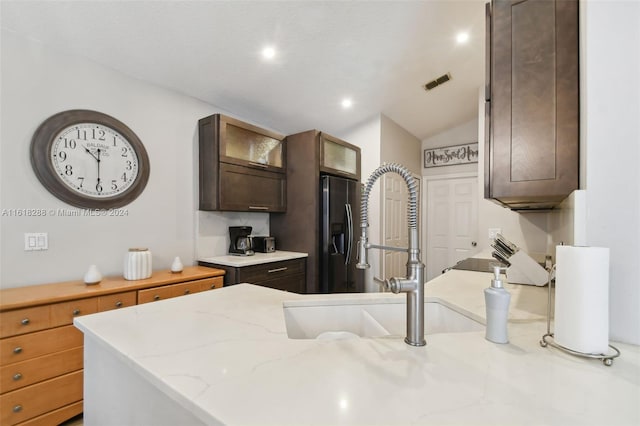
{"x":582,"y":299}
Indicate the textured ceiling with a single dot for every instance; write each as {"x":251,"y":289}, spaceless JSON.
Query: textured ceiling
{"x":377,"y":53}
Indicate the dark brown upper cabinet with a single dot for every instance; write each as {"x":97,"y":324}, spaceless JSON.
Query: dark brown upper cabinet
{"x":532,"y":102}
{"x":242,"y":167}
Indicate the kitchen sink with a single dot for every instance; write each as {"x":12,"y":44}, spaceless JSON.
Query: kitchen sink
{"x":343,"y":319}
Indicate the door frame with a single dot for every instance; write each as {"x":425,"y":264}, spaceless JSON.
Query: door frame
{"x":423,"y":207}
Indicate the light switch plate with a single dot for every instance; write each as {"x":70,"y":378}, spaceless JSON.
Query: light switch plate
{"x":36,"y":241}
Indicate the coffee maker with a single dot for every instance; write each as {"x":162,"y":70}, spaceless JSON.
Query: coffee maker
{"x":241,"y":243}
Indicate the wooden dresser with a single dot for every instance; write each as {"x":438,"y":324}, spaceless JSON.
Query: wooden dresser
{"x":41,"y":352}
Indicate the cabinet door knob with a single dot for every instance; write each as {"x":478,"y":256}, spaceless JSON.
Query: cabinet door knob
{"x":473,"y":243}
{"x":17,"y":376}
{"x":118,"y":304}
{"x":17,"y":408}
{"x":17,"y":350}
{"x":25,"y":321}
{"x":156,"y":297}
{"x":76,"y":312}
{"x":187,"y":291}
{"x":213,"y":286}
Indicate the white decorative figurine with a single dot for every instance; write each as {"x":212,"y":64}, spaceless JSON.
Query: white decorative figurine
{"x":93,"y":275}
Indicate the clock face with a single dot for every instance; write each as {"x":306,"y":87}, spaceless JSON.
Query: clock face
{"x":94,"y":160}
{"x":89,"y":159}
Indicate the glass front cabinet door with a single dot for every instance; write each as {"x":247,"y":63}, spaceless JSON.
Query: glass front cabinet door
{"x":242,"y":166}
{"x":339,"y":157}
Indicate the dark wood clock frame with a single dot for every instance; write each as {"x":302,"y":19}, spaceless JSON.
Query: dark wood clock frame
{"x":41,"y":144}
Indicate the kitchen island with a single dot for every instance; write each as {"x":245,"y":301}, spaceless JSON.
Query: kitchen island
{"x":224,"y":357}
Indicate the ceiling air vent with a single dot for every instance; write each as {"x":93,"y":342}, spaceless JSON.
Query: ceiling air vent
{"x":437,"y":82}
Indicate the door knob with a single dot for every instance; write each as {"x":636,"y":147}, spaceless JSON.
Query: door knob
{"x":473,"y":244}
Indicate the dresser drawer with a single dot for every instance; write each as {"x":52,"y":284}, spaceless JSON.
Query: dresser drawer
{"x":21,"y":321}
{"x":116,"y":301}
{"x":25,"y":373}
{"x":22,"y":348}
{"x":211,"y":283}
{"x":64,"y":313}
{"x":269,"y":271}
{"x":32,"y":401}
{"x":180,"y":289}
{"x":56,"y":417}
{"x":155,"y":294}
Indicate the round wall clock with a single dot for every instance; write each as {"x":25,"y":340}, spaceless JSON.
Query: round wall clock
{"x":89,"y":159}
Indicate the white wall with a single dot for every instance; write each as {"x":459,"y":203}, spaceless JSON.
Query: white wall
{"x":397,"y":145}
{"x":38,"y":82}
{"x":368,"y":137}
{"x":610,"y":128}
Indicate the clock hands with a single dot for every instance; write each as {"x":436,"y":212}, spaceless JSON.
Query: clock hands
{"x":98,"y":186}
{"x":91,"y":153}
{"x":97,"y":158}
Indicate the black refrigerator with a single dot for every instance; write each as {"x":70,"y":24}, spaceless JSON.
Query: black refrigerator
{"x":339,"y":233}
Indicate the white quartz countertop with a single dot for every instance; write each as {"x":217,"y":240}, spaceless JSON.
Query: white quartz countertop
{"x":224,"y":356}
{"x":255,"y":259}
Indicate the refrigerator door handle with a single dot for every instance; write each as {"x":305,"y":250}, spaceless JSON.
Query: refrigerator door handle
{"x":347,"y":258}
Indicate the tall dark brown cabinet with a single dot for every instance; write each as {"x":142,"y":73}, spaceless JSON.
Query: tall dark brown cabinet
{"x":312,"y":156}
{"x":532,"y":102}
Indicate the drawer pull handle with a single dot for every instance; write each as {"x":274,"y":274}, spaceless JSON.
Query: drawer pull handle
{"x":156,"y":297}
{"x":17,"y":350}
{"x":262,"y":166}
{"x":118,"y":304}
{"x":25,"y":321}
{"x":17,"y":376}
{"x":213,"y":286}
{"x":187,"y":291}
{"x":17,"y":408}
{"x":277,"y":270}
{"x":258,"y":208}
{"x":76,"y":312}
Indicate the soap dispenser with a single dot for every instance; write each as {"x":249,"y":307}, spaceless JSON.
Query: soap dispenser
{"x":497,"y":300}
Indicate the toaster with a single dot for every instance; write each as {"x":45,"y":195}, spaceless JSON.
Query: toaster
{"x":264,"y":244}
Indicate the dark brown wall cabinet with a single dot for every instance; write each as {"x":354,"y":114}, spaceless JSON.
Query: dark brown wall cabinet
{"x":532,"y":102}
{"x":242,"y":167}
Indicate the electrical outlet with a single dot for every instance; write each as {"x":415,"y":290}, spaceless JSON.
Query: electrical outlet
{"x":36,"y":241}
{"x":493,"y":232}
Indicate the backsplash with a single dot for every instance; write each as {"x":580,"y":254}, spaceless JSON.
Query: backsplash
{"x":212,"y":230}
{"x":567,"y":222}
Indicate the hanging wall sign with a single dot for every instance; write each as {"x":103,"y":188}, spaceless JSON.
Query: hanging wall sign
{"x":451,"y":155}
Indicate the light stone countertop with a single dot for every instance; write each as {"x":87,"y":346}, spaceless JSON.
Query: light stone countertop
{"x":224,"y":356}
{"x":255,"y":259}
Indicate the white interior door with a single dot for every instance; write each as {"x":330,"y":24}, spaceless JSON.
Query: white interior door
{"x":395,"y":226}
{"x":452,"y":222}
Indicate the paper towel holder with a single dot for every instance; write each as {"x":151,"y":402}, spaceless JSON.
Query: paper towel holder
{"x":547,"y":339}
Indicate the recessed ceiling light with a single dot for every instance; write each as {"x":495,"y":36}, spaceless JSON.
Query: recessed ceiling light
{"x":269,"y":52}
{"x":462,"y":37}
{"x":346,"y":103}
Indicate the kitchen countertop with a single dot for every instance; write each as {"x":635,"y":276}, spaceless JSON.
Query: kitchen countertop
{"x":224,"y":357}
{"x":256,"y":259}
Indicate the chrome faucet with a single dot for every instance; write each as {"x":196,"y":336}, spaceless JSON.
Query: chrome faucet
{"x":413,"y":283}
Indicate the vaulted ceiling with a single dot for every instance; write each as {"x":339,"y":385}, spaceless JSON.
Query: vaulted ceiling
{"x":377,"y":53}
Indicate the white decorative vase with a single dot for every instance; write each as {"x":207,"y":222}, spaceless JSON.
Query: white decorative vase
{"x":137,"y":264}
{"x":176,"y":266}
{"x":92,"y":276}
